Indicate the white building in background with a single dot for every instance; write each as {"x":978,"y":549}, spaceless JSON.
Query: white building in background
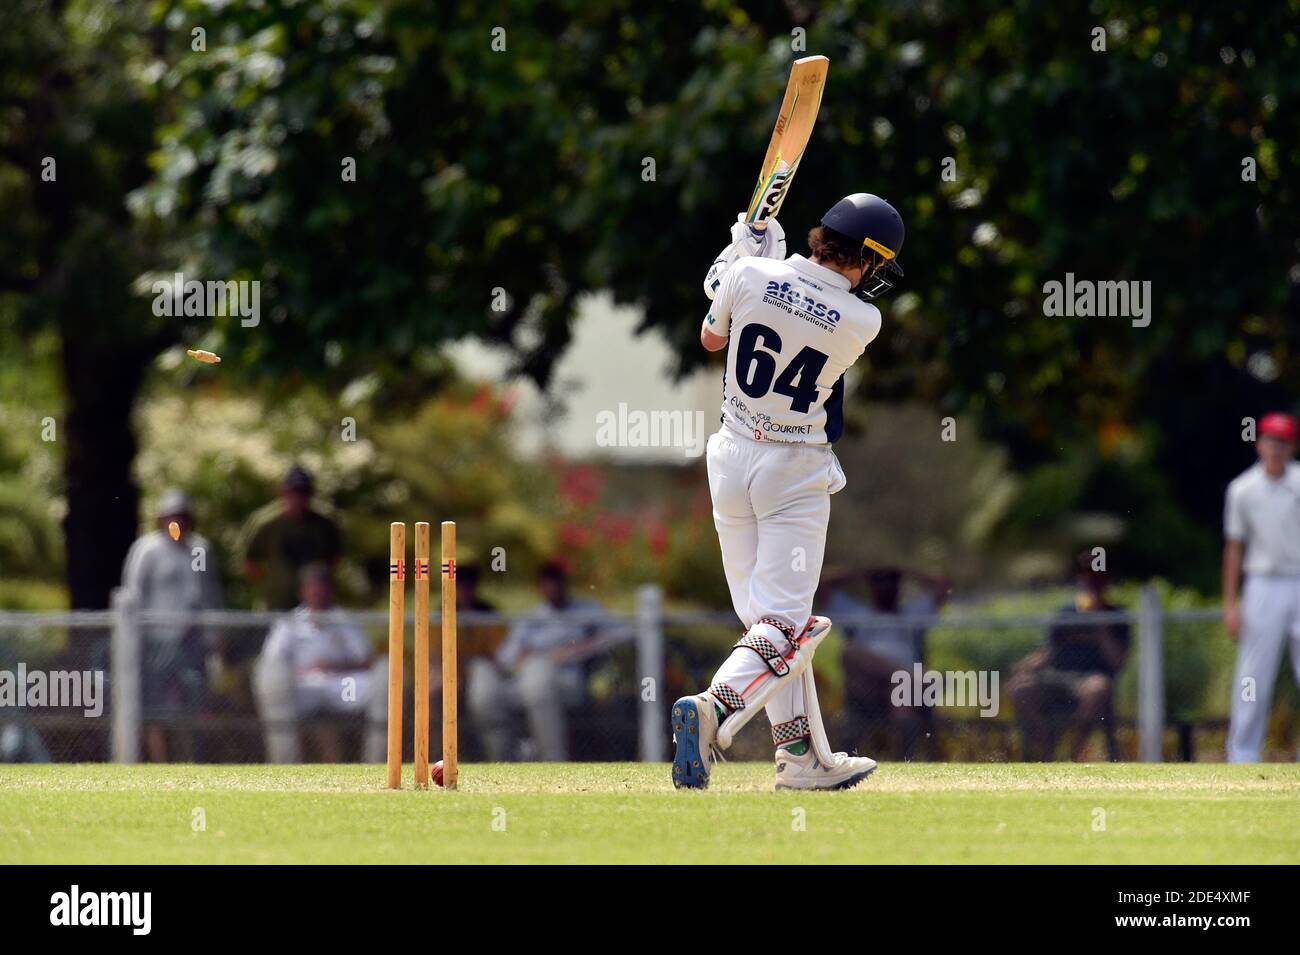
{"x":613,"y":395}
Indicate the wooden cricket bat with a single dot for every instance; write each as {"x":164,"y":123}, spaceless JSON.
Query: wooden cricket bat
{"x":794,"y":125}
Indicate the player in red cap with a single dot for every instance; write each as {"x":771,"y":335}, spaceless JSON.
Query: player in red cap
{"x":1262,"y":531}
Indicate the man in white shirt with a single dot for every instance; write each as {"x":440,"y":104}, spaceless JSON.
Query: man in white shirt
{"x":539,"y":672}
{"x":1261,"y":526}
{"x":316,"y":661}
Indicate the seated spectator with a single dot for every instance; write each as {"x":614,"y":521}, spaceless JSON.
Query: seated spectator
{"x":178,"y":574}
{"x":19,"y":740}
{"x":20,"y":743}
{"x":538,"y":671}
{"x":891,"y":639}
{"x":474,"y":638}
{"x":316,"y":662}
{"x":1069,"y":682}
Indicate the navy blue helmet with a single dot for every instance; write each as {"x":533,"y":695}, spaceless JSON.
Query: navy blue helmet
{"x":873,"y":222}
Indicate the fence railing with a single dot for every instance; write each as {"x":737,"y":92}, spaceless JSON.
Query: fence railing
{"x":637,"y":681}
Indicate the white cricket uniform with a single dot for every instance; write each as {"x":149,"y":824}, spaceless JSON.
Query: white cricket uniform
{"x":322,"y":650}
{"x":795,"y":329}
{"x":1264,"y":514}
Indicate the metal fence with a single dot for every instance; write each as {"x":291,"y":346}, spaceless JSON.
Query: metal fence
{"x":179,"y":686}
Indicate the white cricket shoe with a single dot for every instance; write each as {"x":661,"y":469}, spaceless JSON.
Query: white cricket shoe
{"x":695,"y":727}
{"x":808,"y":772}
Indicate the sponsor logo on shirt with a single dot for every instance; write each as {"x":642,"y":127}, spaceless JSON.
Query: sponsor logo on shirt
{"x":798,"y":303}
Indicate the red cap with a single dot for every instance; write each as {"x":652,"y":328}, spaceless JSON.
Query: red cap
{"x":1278,"y":425}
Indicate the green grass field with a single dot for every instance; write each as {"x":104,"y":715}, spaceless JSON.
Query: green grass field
{"x":630,"y":813}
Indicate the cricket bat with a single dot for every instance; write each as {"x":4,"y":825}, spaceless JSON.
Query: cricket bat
{"x":794,"y":124}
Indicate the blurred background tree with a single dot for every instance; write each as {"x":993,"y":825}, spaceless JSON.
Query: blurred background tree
{"x":522,"y":176}
{"x":1124,"y":164}
{"x":76,"y":130}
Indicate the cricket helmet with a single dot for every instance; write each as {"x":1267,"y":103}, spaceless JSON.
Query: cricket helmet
{"x":877,"y":226}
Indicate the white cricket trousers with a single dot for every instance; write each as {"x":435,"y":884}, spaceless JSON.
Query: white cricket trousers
{"x":1270,"y":617}
{"x":771,"y":503}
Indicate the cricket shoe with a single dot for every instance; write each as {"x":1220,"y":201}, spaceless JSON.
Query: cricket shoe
{"x":808,"y":772}
{"x":695,"y":726}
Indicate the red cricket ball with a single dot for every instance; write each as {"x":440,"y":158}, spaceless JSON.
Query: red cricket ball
{"x":436,"y":773}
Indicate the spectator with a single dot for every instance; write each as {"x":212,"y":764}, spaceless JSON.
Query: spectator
{"x":1262,"y":531}
{"x":1070,"y":680}
{"x":19,"y":740}
{"x":20,"y":743}
{"x":891,"y":639}
{"x":286,"y":536}
{"x":468,"y":598}
{"x":177,"y":574}
{"x":474,"y":638}
{"x":539,"y":671}
{"x":315,"y":663}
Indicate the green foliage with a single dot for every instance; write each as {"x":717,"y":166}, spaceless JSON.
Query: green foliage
{"x":522,"y":169}
{"x":454,"y":459}
{"x":615,"y":535}
{"x":918,"y":501}
{"x":75,"y":133}
{"x":230,"y":450}
{"x":31,"y":550}
{"x":952,"y":648}
{"x":1198,"y":654}
{"x":450,"y":459}
{"x":1199,"y":658}
{"x":1062,"y":167}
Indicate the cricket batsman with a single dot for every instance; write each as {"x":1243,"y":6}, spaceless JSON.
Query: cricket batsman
{"x":792,"y":327}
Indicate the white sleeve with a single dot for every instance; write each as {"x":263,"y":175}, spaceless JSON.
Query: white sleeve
{"x":874,"y":323}
{"x":724,"y":300}
{"x":1234,"y":514}
{"x":279,"y":644}
{"x":716,"y":271}
{"x":512,"y":648}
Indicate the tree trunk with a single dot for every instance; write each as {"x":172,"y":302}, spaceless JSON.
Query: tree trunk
{"x":99,"y":447}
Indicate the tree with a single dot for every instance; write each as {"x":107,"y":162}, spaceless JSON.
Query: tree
{"x":522,"y":169}
{"x":71,"y":250}
{"x":609,"y":145}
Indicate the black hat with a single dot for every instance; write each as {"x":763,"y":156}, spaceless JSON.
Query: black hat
{"x":298,"y":479}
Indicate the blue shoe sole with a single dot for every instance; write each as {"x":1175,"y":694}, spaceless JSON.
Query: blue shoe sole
{"x":854,"y":780}
{"x":847,"y":784}
{"x":690,"y":767}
